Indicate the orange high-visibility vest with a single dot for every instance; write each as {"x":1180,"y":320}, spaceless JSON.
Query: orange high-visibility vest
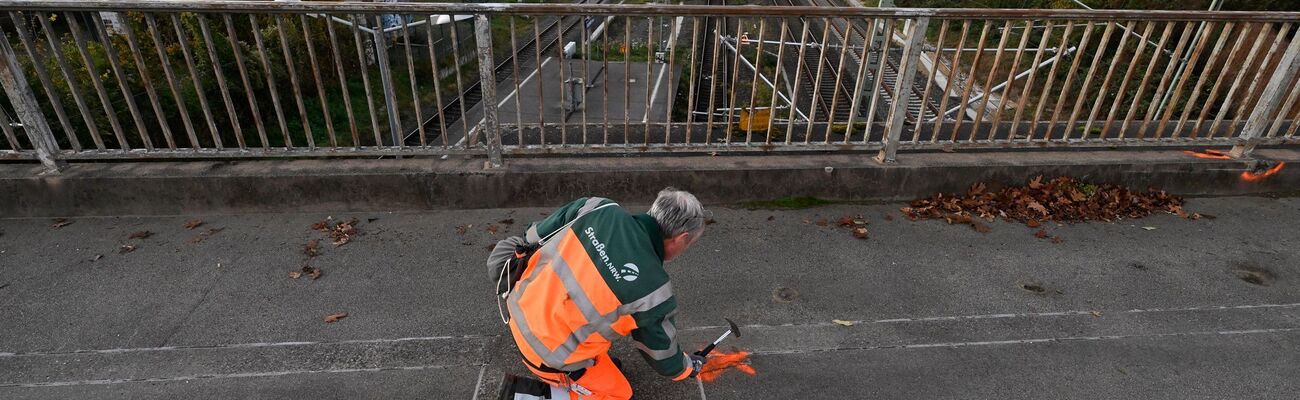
{"x":598,"y":277}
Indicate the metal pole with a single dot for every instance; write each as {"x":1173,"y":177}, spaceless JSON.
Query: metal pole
{"x":903,"y":90}
{"x":386,"y":79}
{"x":1269,"y":101}
{"x":488,"y":84}
{"x":28,"y":110}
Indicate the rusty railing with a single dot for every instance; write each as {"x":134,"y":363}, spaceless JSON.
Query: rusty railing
{"x":259,"y":79}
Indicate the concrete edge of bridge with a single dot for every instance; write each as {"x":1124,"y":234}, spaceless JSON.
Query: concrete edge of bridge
{"x":214,"y":187}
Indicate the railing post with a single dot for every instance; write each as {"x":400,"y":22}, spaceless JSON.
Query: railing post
{"x":903,"y":89}
{"x":488,"y":84}
{"x":29,"y":112}
{"x":386,"y":81}
{"x":1269,"y":102}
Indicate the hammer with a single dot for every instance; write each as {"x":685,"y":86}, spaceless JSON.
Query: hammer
{"x":732,"y":330}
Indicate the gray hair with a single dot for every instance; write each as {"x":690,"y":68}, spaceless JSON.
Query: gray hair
{"x":677,"y":211}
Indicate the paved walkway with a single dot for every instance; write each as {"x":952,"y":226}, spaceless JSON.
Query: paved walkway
{"x":1117,"y":310}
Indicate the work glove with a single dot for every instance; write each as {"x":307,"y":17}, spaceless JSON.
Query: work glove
{"x":697,"y":364}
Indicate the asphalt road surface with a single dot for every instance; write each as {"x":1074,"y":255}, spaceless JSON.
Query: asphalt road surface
{"x":1143,"y":309}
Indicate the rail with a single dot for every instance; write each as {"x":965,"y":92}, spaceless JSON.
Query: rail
{"x":146,"y":79}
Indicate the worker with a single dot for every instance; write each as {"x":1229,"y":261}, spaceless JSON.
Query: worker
{"x":596,"y":274}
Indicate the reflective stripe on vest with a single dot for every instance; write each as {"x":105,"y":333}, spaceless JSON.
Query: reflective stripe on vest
{"x":549,"y":259}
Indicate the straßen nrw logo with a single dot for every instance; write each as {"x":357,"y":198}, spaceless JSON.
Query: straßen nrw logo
{"x":630,"y":272}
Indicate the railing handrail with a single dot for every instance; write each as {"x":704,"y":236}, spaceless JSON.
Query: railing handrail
{"x":635,"y":10}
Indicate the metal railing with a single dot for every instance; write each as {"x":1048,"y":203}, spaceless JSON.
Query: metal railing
{"x":255,"y":79}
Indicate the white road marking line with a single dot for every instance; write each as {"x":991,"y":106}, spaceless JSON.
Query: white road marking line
{"x":701,"y":382}
{"x":523,"y":82}
{"x":219,"y":376}
{"x":1016,"y":315}
{"x":473,"y":130}
{"x":245,"y":345}
{"x":654,"y":94}
{"x":1026,"y":341}
{"x":479,"y":385}
{"x":694,"y":328}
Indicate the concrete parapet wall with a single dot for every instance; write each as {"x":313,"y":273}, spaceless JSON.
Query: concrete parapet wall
{"x":163,"y":188}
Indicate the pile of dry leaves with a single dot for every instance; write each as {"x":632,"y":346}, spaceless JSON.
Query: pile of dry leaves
{"x":1063,"y":199}
{"x":339,"y":232}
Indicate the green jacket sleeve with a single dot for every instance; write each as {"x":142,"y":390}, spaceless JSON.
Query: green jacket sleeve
{"x":656,"y":338}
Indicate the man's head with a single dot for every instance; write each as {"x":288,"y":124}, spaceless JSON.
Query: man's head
{"x":680,"y":217}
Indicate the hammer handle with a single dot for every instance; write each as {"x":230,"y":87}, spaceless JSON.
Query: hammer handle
{"x":707,"y":349}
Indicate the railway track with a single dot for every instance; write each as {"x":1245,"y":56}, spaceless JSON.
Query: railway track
{"x":470,"y":97}
{"x":853,"y":34}
{"x":816,"y":60}
{"x":707,"y":93}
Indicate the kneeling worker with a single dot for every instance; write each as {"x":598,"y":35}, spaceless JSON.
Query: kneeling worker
{"x":596,"y":274}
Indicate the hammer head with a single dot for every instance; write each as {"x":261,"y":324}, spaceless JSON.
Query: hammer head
{"x":735,"y":330}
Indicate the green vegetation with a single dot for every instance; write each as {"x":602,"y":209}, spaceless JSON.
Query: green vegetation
{"x":268,"y":70}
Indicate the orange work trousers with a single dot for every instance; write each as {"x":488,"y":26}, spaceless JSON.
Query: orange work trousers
{"x":602,"y":379}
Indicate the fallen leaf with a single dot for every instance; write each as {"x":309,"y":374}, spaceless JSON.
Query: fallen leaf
{"x":205,"y":234}
{"x":126,"y":248}
{"x":958,"y":219}
{"x":1057,"y":240}
{"x":1149,"y":228}
{"x":460,"y":230}
{"x":492,"y":229}
{"x":842,"y":322}
{"x":1036,"y":206}
{"x":312,"y":248}
{"x":860,"y":233}
{"x":342,"y":232}
{"x":822,"y":222}
{"x":981,"y":227}
{"x":61,"y":222}
{"x":97,"y":257}
{"x":846,"y":221}
{"x":140,"y":235}
{"x":1096,"y":313}
{"x":507,"y":221}
{"x":332,"y":318}
{"x":295,"y":274}
{"x":320,"y":226}
{"x":1033,"y":223}
{"x":316,"y":273}
{"x":194,"y":223}
{"x":1041,"y":234}
{"x":1036,"y":183}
